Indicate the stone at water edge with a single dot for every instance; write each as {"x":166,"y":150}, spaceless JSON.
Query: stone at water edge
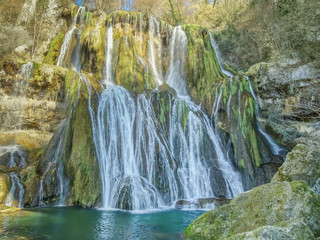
{"x":201,"y":202}
{"x":5,"y":184}
{"x":276,"y":205}
{"x":302,"y":163}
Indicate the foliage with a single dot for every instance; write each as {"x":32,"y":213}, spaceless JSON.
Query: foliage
{"x":11,"y":37}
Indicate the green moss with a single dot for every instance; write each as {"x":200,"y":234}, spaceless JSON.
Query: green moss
{"x":202,"y":68}
{"x":80,"y":159}
{"x":234,"y":89}
{"x":241,"y":163}
{"x":5,"y":185}
{"x":88,"y":18}
{"x":266,"y":205}
{"x":30,"y":180}
{"x":54,"y":50}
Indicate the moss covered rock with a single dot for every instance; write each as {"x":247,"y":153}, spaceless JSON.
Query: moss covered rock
{"x":5,"y":185}
{"x":80,"y":159}
{"x":273,"y":206}
{"x":302,"y":163}
{"x":30,"y":180}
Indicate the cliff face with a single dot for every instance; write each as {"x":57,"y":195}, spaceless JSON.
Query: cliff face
{"x":52,"y":111}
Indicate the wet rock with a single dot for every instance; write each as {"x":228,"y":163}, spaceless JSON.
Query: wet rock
{"x":288,"y":93}
{"x":302,"y":163}
{"x":276,"y":209}
{"x":166,"y":88}
{"x":5,"y":185}
{"x":8,"y":210}
{"x":21,"y":50}
{"x":202,"y":203}
{"x":30,"y":181}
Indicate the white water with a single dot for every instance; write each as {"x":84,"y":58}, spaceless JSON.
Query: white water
{"x":216,"y":107}
{"x":274,"y":147}
{"x":108,"y":79}
{"x":154,"y":31}
{"x":135,"y":155}
{"x":65,"y":49}
{"x":149,"y":159}
{"x":175,"y":76}
{"x":16,"y":193}
{"x":55,"y":161}
{"x":229,"y":99}
{"x":26,"y":73}
{"x":41,"y":203}
{"x":218,"y":55}
{"x":66,"y":46}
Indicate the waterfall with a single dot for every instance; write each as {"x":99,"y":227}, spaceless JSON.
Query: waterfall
{"x":68,"y":41}
{"x":175,"y":75}
{"x":149,"y":158}
{"x":136,"y":155}
{"x":216,"y":107}
{"x":154,"y":29}
{"x":229,"y":99}
{"x":218,"y":55}
{"x":66,"y":46}
{"x":26,"y":73}
{"x":16,"y":193}
{"x":41,"y":203}
{"x":108,"y":79}
{"x":55,"y":159}
{"x":274,"y":147}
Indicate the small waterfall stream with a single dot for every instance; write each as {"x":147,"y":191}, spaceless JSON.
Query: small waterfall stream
{"x":108,"y":79}
{"x":66,"y":45}
{"x":16,"y":193}
{"x":154,"y":30}
{"x":275,"y":148}
{"x":175,"y":75}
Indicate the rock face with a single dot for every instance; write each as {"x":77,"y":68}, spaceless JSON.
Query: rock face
{"x":4,"y":186}
{"x":286,"y":208}
{"x":43,"y":101}
{"x":302,"y":163}
{"x":280,"y":210}
{"x":288,"y":93}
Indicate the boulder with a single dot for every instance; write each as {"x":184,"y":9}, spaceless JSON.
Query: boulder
{"x":302,"y":163}
{"x":201,"y":203}
{"x":5,"y":185}
{"x":274,"y":211}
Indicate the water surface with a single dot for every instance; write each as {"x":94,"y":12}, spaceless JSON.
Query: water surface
{"x":76,"y":223}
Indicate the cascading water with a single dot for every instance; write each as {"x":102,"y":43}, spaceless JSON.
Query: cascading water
{"x":152,"y":148}
{"x":229,"y":99}
{"x":218,"y":55}
{"x":65,"y":49}
{"x":26,"y":73}
{"x":175,"y":75}
{"x":66,"y":46}
{"x":108,"y":79}
{"x":55,"y":162}
{"x":216,"y":107}
{"x":16,"y":193}
{"x":154,"y":31}
{"x":275,"y":148}
{"x":136,"y":155}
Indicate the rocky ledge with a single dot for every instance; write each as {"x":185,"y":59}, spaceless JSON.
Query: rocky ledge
{"x":286,"y":208}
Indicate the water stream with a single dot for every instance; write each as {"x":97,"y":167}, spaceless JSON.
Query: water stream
{"x":16,"y":159}
{"x":276,"y":149}
{"x":67,"y":42}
